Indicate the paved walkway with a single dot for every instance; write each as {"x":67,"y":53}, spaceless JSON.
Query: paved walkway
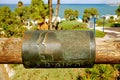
{"x":3,"y":73}
{"x":111,"y":32}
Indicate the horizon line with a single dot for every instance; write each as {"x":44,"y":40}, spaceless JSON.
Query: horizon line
{"x":61,"y":3}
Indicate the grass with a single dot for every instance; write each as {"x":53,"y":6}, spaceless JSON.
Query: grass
{"x":64,"y":74}
{"x":100,"y":33}
{"x":74,"y":25}
{"x":45,"y":74}
{"x":70,"y":25}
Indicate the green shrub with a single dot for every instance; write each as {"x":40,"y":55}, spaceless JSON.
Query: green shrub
{"x":13,"y":30}
{"x":115,"y":25}
{"x":99,"y":22}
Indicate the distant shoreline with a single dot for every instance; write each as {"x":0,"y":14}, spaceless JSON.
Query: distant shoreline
{"x":102,"y":8}
{"x":13,"y":4}
{"x":61,"y":4}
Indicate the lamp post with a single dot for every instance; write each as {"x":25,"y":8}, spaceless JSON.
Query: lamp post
{"x":103,"y":22}
{"x":94,"y":17}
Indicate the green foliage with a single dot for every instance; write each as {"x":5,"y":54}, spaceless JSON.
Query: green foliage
{"x":20,"y":3}
{"x":111,"y":20}
{"x":74,"y":25}
{"x":44,"y":74}
{"x":99,"y":22}
{"x":70,"y":14}
{"x":102,"y":23}
{"x":111,"y":17}
{"x":118,"y":20}
{"x":20,"y":12}
{"x":4,"y":13}
{"x":99,"y":72}
{"x":69,"y":25}
{"x":9,"y":23}
{"x":115,"y":25}
{"x":76,"y":13}
{"x":93,"y":12}
{"x":100,"y":33}
{"x":12,"y":23}
{"x":118,"y":11}
{"x":14,"y":30}
{"x":117,"y":66}
{"x":89,"y":12}
{"x":38,"y":9}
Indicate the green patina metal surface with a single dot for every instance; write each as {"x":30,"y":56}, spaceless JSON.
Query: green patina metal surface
{"x":58,"y":49}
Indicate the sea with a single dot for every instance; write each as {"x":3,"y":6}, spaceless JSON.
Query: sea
{"x":103,"y":9}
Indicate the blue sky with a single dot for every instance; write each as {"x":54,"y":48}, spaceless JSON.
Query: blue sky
{"x":14,"y":1}
{"x":76,"y":1}
{"x":62,"y":1}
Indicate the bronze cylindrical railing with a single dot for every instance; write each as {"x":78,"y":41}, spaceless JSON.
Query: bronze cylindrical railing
{"x":11,"y":51}
{"x":58,"y":49}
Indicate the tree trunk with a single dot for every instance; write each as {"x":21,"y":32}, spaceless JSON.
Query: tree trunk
{"x":50,"y":14}
{"x":56,"y":12}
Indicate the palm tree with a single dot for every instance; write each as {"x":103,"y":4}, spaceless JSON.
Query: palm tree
{"x":50,"y":14}
{"x":56,"y":12}
{"x":118,"y":11}
{"x":20,"y":4}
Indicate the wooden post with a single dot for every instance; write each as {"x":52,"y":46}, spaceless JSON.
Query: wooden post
{"x":10,"y":51}
{"x":50,"y":14}
{"x":106,"y":52}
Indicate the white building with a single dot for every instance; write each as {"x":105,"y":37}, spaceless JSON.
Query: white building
{"x":53,"y":18}
{"x":107,"y":16}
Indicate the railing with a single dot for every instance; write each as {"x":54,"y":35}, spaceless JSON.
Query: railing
{"x":107,"y":52}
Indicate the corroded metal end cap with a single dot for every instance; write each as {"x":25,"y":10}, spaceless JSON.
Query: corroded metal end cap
{"x":58,"y":49}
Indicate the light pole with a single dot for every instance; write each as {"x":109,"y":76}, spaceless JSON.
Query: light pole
{"x":103,"y":22}
{"x":94,"y":17}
